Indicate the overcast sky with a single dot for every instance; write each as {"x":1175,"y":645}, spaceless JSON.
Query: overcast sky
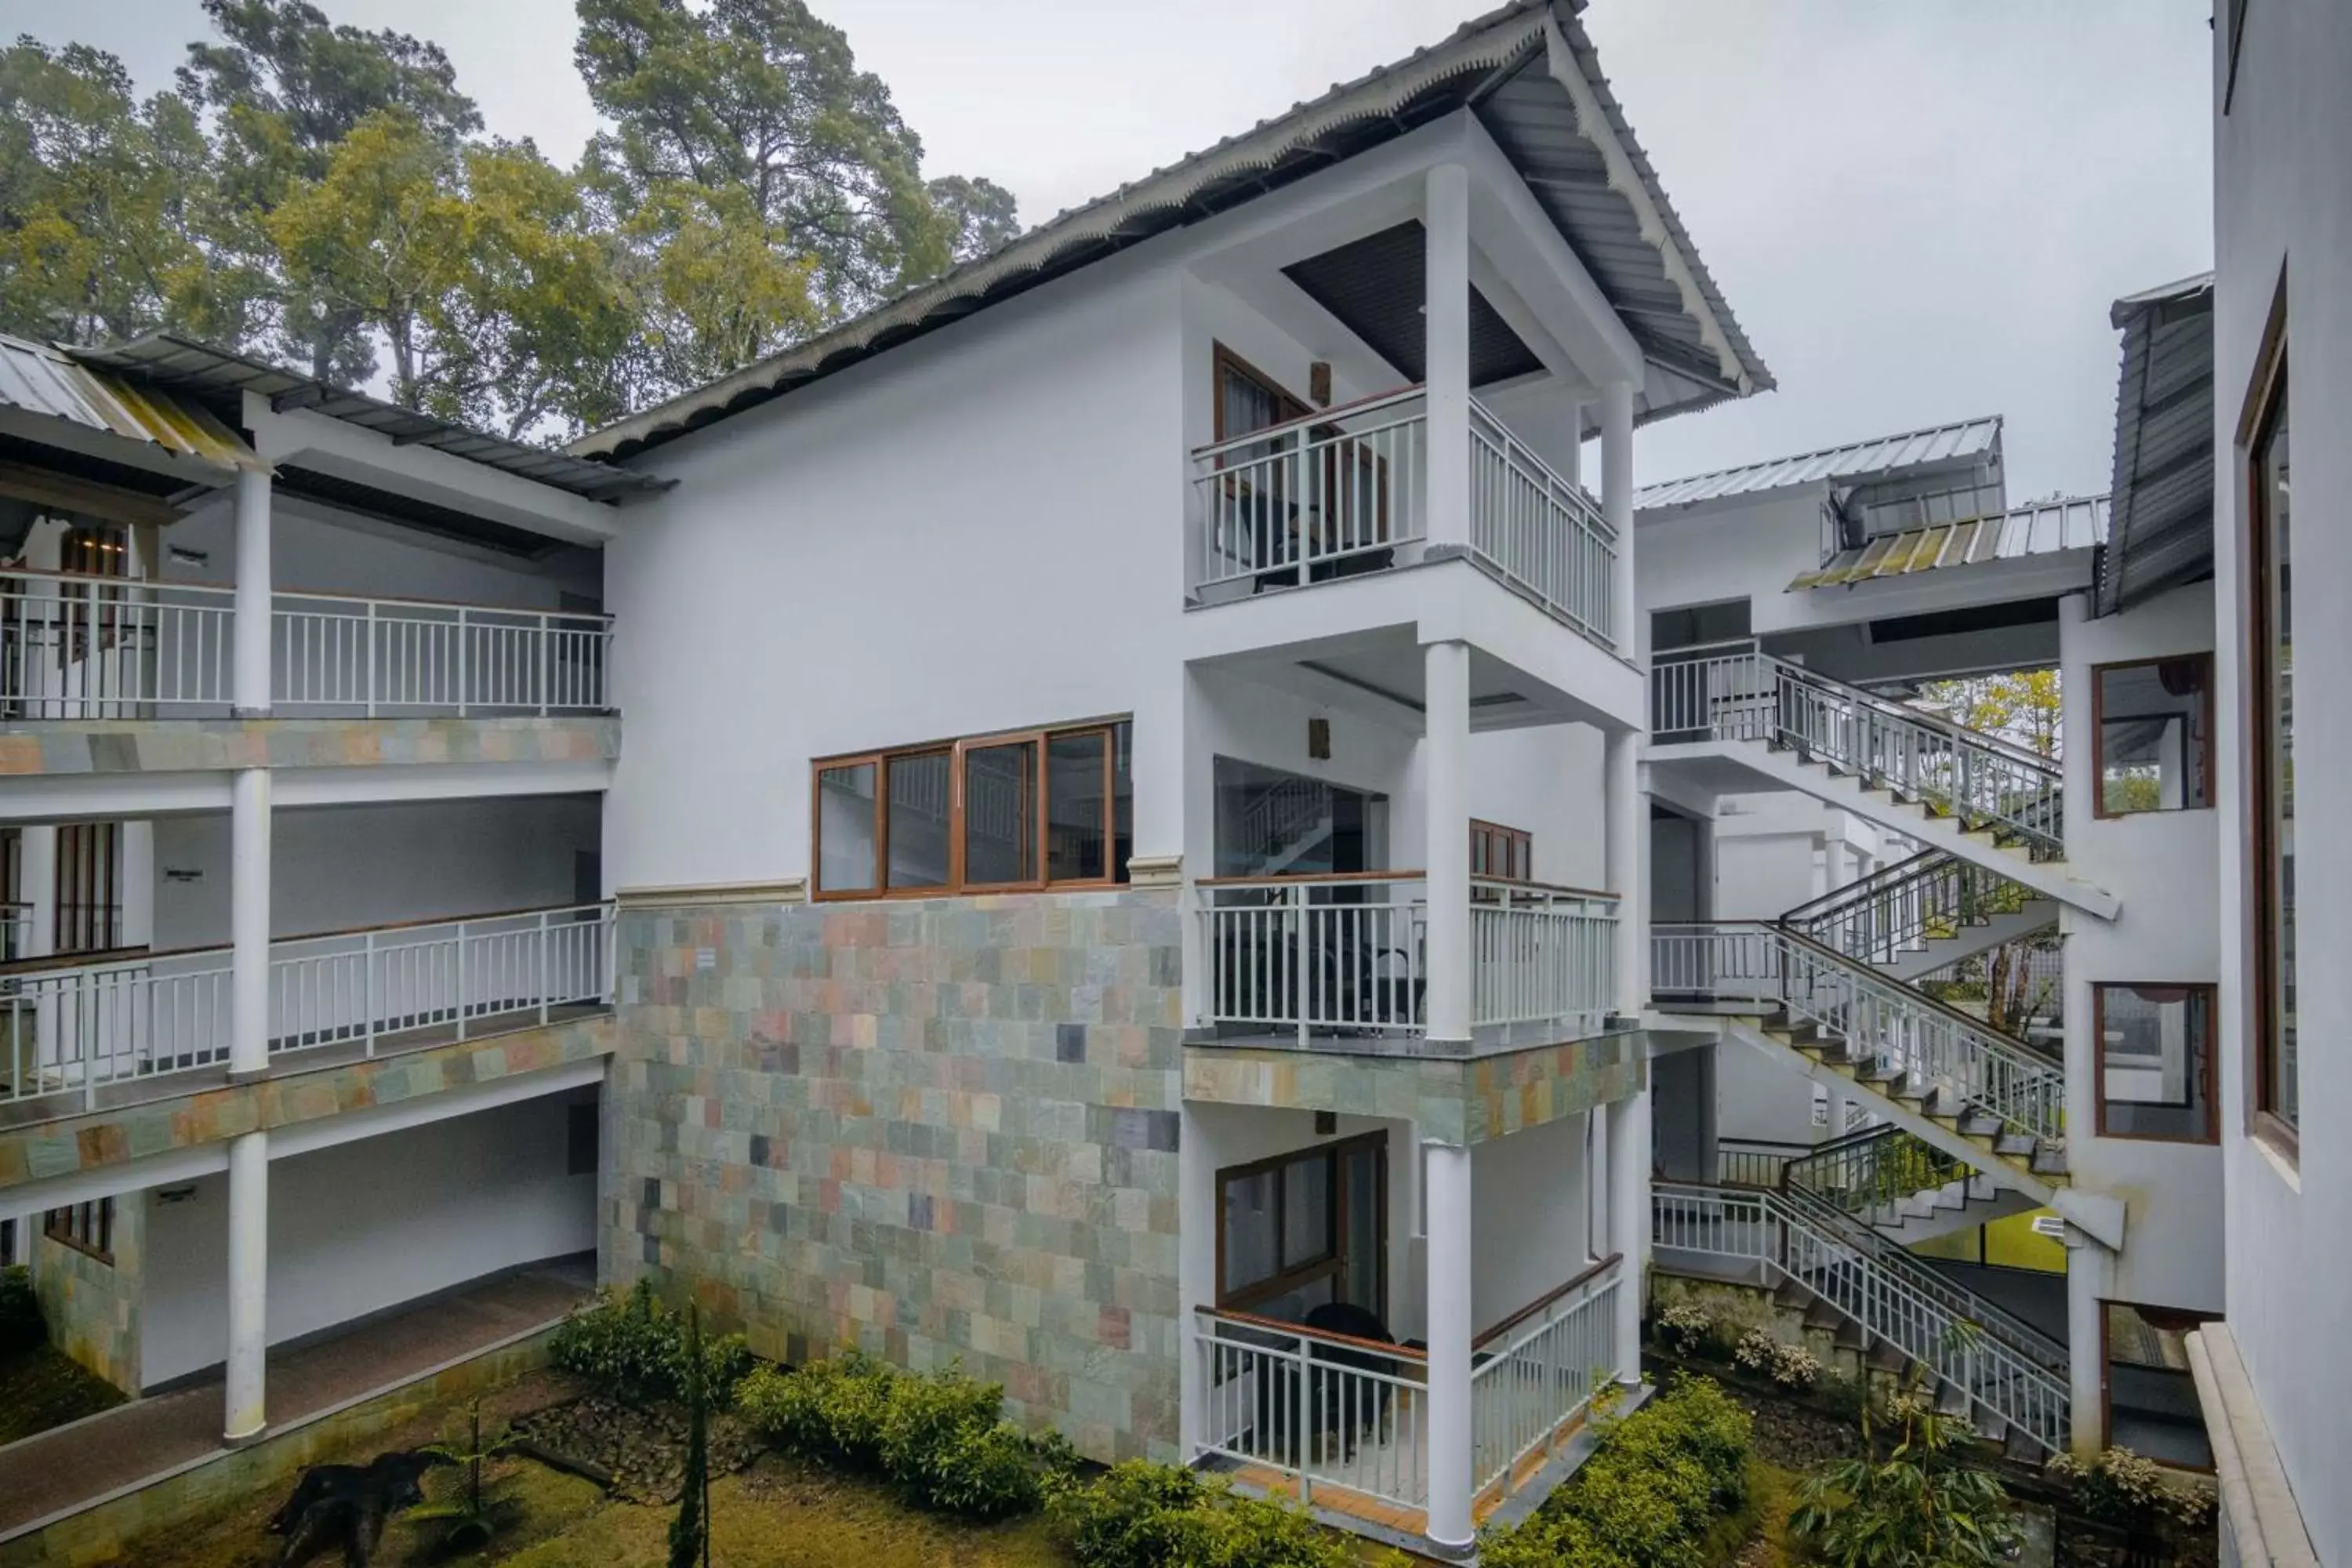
{"x":1918,"y":209}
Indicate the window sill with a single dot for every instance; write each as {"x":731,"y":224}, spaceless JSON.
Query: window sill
{"x":2273,"y":1144}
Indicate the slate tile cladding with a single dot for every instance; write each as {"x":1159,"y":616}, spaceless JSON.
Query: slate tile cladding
{"x":929,"y":1129}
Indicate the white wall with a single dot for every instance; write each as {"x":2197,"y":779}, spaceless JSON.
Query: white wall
{"x":2283,"y":210}
{"x":2163,"y":866}
{"x":365,"y":1225}
{"x":315,"y":549}
{"x":335,"y":867}
{"x":1529,"y":1219}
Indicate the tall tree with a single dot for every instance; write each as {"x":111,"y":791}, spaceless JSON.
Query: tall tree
{"x":286,"y":87}
{"x":981,"y":214}
{"x":2026,"y":706}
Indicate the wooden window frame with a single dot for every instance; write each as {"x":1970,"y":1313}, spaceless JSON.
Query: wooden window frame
{"x":1518,"y":844}
{"x":956,"y":751}
{"x":1223,"y":361}
{"x":1334,"y":1262}
{"x":59,"y":1224}
{"x":2265,"y":402}
{"x":2211,"y":1078}
{"x":2204,"y":661}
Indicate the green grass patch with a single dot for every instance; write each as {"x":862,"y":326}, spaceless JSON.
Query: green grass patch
{"x":44,"y":1388}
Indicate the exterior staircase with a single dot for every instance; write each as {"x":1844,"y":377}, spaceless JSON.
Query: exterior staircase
{"x":1972,"y":795}
{"x":1904,"y":1188}
{"x":1922,"y":915}
{"x":1285,"y":820}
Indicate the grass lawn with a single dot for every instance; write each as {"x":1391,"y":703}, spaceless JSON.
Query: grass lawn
{"x":45,"y":1388}
{"x":1758,"y":1536}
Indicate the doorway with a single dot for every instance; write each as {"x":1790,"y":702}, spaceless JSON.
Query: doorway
{"x":1306,"y":1229}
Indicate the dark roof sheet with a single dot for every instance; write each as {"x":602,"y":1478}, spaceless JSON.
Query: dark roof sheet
{"x":2164,"y":469}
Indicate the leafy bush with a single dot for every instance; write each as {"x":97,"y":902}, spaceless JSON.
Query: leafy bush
{"x":2121,"y":1488}
{"x":1791,"y":1367}
{"x":1919,"y":1506}
{"x":640,"y":1349}
{"x":21,"y":1329}
{"x":1143,"y":1515}
{"x":1684,"y":1328}
{"x":942,"y":1437}
{"x":1649,"y":1494}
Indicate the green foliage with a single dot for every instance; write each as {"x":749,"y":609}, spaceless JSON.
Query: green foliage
{"x":470,"y":1518}
{"x":941,"y":1437}
{"x":639,"y":1350}
{"x":1917,"y":1506}
{"x":1143,"y":1515}
{"x":2121,"y":1488}
{"x":1650,"y":1494}
{"x":690,"y":1533}
{"x":21,"y":1328}
{"x":1790,"y":1367}
{"x":1684,"y":1328}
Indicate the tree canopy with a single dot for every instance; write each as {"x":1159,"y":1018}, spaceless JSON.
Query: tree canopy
{"x":328,"y":196}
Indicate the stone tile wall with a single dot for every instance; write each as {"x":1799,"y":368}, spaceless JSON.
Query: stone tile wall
{"x":181,"y":745}
{"x":91,"y":1307}
{"x":931,"y":1129}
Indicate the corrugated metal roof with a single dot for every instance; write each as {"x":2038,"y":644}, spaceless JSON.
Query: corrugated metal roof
{"x":2164,"y":469}
{"x":2047,"y":528}
{"x":1879,"y":457}
{"x":1529,"y":73}
{"x":45,"y":381}
{"x":163,"y":359}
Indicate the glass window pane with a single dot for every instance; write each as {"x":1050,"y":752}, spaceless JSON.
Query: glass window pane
{"x":918,"y":819}
{"x":1250,"y":1242}
{"x":2153,"y":745}
{"x":845,"y":829}
{"x":1362,"y":1278}
{"x":1075,"y":849}
{"x":1000,"y":814}
{"x":2156,"y":1047}
{"x":1122,"y":805}
{"x":2272,"y":464}
{"x":1306,"y":1211}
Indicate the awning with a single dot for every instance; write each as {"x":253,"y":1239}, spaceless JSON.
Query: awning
{"x":2050,"y":528}
{"x":43,"y":380}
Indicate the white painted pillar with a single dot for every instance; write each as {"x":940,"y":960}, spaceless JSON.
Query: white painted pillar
{"x":1629,"y":1222}
{"x":1445,"y":325}
{"x":244,"y":1414}
{"x":1446,"y":856}
{"x":37,"y":887}
{"x":1617,"y":504}
{"x":248,"y":888}
{"x":2087,"y":1265}
{"x":1626,"y":872}
{"x":249,"y":641}
{"x":1449,"y":1326}
{"x":138,"y":874}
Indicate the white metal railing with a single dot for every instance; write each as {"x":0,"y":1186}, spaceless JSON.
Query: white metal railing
{"x":1343,"y":490}
{"x":1347,"y":954}
{"x":1876,"y":1019}
{"x":1538,"y":954}
{"x":108,"y":647}
{"x":75,"y":1028}
{"x":1538,"y":1377}
{"x":1321,"y":1409}
{"x":1765,"y":1228}
{"x":1900,"y":908}
{"x":1543,"y":532}
{"x":1747,"y":695}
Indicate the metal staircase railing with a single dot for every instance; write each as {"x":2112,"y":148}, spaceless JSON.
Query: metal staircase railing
{"x":1749,"y":695}
{"x":1899,"y":908}
{"x":1882,"y":1023}
{"x":2008,"y":1389}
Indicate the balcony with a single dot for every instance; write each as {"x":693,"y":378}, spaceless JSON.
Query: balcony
{"x":78,"y":1034}
{"x":75,"y":647}
{"x":1342,"y":961}
{"x":1345,"y":491}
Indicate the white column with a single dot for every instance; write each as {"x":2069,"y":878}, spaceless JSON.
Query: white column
{"x":1617,"y":504}
{"x":249,"y":889}
{"x":1626,"y":869}
{"x":1447,"y":1170}
{"x":1446,"y":856}
{"x":1445,"y":326}
{"x":1629,"y":1221}
{"x":250,"y":640}
{"x":2086,"y":1371}
{"x":137,"y":875}
{"x":36,"y":887}
{"x":248,"y":1285}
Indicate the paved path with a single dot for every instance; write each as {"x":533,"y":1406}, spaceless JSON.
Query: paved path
{"x":53,"y":1470}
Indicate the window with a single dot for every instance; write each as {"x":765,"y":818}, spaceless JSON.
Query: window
{"x":2150,"y":1395}
{"x":86,"y":1227}
{"x":1038,"y":808}
{"x":1246,"y":399}
{"x":2155,"y":723}
{"x":1506,"y":853}
{"x":1305,"y":1230}
{"x":89,"y":910}
{"x":2270,"y":666}
{"x":2156,"y":1061}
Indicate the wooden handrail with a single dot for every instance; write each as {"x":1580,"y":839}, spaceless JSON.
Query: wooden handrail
{"x":1289,"y":878}
{"x":1517,"y":884}
{"x":1310,"y":419}
{"x":1547,"y":1298}
{"x":141,"y":954}
{"x":1275,"y":1325}
{"x":228,"y":590}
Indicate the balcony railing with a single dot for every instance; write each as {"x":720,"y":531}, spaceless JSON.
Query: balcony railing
{"x":1346,"y":954}
{"x":111,"y":647}
{"x":1345,"y":491}
{"x":77,"y":1028}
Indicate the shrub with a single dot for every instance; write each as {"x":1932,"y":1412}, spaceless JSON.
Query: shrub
{"x":21,"y":1329}
{"x":1647,"y":1497}
{"x":1685,"y":1328}
{"x":941,"y":1437}
{"x":1791,"y":1367}
{"x":1919,"y":1505}
{"x":2121,"y":1488}
{"x":639,"y":1350}
{"x":1143,"y":1515}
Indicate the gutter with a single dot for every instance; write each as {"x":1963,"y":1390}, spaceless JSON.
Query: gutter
{"x":2258,"y":1516}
